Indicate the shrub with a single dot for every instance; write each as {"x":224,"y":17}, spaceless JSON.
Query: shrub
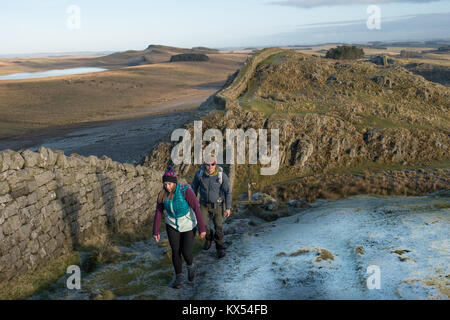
{"x":345,"y":52}
{"x":189,"y":57}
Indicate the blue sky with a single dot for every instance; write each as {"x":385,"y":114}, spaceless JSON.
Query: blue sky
{"x":40,"y":25}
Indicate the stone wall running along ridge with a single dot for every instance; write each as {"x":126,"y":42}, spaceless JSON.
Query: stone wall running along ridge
{"x":51,"y":203}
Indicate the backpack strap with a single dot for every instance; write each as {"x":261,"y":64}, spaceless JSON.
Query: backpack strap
{"x":220,"y":175}
{"x":202,"y":171}
{"x":184,"y":188}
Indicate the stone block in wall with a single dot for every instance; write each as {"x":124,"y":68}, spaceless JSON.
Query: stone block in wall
{"x":60,"y":239}
{"x":47,"y":158}
{"x":10,"y":211}
{"x":5,"y":200}
{"x":19,"y":190}
{"x":44,"y":178}
{"x":22,"y":202}
{"x":11,"y":160}
{"x":41,"y":193}
{"x":14,"y":177}
{"x":140,"y":170}
{"x":129,"y":169}
{"x":42,"y":202}
{"x":33,"y":246}
{"x":14,"y":254}
{"x":52,"y":185}
{"x":91,"y":178}
{"x":32,"y":186}
{"x":24,"y":232}
{"x":32,"y":198}
{"x":43,"y":239}
{"x":61,"y":159}
{"x":46,"y":225}
{"x":33,"y":261}
{"x":31,"y":158}
{"x":93,"y":161}
{"x":2,"y":237}
{"x":54,"y":231}
{"x":73,"y":162}
{"x":51,"y":245}
{"x":4,"y":188}
{"x":42,"y":253}
{"x":54,"y":217}
{"x":68,"y":180}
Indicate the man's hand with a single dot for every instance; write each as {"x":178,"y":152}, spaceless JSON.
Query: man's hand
{"x":156,"y":237}
{"x":203,"y":235}
{"x":227,"y":213}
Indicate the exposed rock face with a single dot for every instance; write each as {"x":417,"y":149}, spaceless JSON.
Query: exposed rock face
{"x":50,"y":204}
{"x":339,"y":186}
{"x":435,"y":73}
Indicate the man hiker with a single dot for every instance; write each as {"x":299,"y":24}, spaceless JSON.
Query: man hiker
{"x":215,"y":195}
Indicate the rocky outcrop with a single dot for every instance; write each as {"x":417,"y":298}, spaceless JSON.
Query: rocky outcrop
{"x":50,"y":204}
{"x":330,"y":115}
{"x":435,"y":73}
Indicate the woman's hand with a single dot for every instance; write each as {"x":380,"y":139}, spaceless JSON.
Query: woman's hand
{"x":203,"y":235}
{"x":156,"y":237}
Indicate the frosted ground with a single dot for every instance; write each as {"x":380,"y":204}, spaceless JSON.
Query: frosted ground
{"x":319,"y":253}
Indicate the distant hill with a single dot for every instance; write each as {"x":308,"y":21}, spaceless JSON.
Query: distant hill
{"x":152,"y":54}
{"x":189,"y":57}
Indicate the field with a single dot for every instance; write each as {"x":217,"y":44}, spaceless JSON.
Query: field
{"x":121,"y":92}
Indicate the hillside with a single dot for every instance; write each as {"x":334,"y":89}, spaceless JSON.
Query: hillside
{"x":335,"y":117}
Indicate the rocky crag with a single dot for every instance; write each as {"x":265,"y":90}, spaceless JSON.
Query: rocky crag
{"x":333,"y":116}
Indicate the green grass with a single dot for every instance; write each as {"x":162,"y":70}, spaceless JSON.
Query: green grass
{"x":442,"y":205}
{"x":271,"y":59}
{"x":258,"y":106}
{"x":27,"y":285}
{"x":376,"y":122}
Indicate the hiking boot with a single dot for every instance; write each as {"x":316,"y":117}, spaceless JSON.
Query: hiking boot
{"x":220,"y":253}
{"x":191,"y":272}
{"x":207,"y":244}
{"x":176,"y":284}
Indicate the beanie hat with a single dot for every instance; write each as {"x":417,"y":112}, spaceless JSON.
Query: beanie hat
{"x":169,"y":175}
{"x":211,"y":159}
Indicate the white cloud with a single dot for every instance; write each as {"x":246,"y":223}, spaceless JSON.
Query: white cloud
{"x":320,"y":3}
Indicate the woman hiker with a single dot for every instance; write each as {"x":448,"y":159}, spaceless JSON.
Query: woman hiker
{"x":183,"y":216}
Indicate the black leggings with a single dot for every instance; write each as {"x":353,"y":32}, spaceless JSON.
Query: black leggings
{"x":181,"y":243}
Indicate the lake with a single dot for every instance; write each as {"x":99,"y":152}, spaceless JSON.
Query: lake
{"x":49,"y":73}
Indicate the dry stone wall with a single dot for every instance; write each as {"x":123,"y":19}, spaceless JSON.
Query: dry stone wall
{"x":51,"y":203}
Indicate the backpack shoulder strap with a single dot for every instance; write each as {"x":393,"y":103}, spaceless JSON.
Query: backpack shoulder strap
{"x":184,"y":189}
{"x":220,"y":174}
